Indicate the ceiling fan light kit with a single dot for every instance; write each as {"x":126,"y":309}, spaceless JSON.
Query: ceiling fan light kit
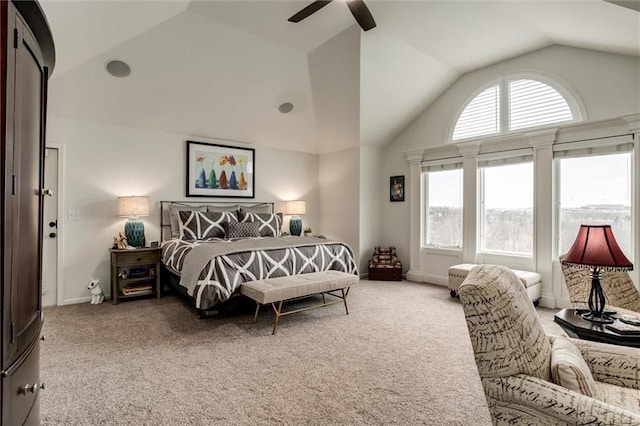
{"x":358,"y":9}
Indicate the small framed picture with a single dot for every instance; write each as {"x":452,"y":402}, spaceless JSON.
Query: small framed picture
{"x":396,"y":188}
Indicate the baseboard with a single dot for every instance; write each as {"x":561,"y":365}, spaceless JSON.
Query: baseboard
{"x":415,"y":275}
{"x":76,"y":301}
{"x":436,"y":279}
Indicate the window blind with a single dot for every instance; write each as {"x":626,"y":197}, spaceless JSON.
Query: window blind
{"x":481,"y":116}
{"x":502,"y":158}
{"x":443,"y":164}
{"x":603,"y":146}
{"x":533,"y":103}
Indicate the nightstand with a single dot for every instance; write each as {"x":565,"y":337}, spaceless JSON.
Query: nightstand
{"x":135,"y":273}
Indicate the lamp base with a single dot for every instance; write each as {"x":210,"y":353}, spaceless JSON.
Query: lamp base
{"x":295,"y":225}
{"x":134,"y":231}
{"x":597,"y":318}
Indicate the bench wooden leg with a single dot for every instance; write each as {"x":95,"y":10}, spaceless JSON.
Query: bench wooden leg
{"x":344,"y":299}
{"x":277,"y":312}
{"x":255,"y":317}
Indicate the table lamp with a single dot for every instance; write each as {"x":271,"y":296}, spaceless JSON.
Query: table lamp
{"x":133,"y":207}
{"x":295,"y":208}
{"x":596,"y":248}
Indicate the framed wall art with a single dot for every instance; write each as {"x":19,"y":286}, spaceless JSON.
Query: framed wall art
{"x":216,"y":170}
{"x":396,"y":188}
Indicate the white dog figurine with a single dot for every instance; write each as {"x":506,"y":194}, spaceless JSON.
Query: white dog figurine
{"x":97,"y":295}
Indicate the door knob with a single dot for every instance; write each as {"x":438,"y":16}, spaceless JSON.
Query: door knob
{"x":47,"y":192}
{"x":52,"y":235}
{"x":53,"y":224}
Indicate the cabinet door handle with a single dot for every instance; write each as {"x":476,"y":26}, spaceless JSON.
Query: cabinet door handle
{"x":28,"y":388}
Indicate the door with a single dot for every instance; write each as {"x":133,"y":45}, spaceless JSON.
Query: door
{"x":24,"y":197}
{"x":50,"y":230}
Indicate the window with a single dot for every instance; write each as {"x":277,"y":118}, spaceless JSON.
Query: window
{"x":514,"y":103}
{"x":532,"y":103}
{"x":481,"y":116}
{"x":595,"y":188}
{"x":443,"y":207}
{"x":506,"y":205}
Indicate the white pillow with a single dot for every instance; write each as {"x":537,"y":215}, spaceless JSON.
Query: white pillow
{"x":568,"y":368}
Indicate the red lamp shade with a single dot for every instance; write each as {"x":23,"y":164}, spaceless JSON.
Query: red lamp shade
{"x":595,"y":245}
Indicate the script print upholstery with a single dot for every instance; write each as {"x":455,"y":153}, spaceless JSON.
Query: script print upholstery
{"x":223,"y":275}
{"x":195,"y":225}
{"x":513,"y":357}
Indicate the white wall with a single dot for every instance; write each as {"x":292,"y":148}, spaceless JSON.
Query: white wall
{"x":335,"y":82}
{"x":373,"y":188}
{"x":104,"y":161}
{"x":339,"y":181}
{"x":607,"y":84}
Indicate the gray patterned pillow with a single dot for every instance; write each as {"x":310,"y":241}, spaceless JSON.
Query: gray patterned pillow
{"x":269,"y":224}
{"x":201,"y":225}
{"x":243,"y":229}
{"x":174,"y":210}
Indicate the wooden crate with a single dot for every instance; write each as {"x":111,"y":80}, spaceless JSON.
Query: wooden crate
{"x":385,"y":274}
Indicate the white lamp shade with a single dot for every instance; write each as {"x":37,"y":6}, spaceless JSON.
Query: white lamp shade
{"x":133,"y":206}
{"x":295,"y":207}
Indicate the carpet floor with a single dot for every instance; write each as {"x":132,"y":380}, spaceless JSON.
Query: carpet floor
{"x":402,"y":356}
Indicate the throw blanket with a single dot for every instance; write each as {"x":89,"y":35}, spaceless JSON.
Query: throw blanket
{"x":212,"y":270}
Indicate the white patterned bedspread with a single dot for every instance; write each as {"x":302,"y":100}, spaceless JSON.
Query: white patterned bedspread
{"x":212,"y":270}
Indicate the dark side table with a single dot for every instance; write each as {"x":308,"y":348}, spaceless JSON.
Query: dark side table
{"x":576,"y":326}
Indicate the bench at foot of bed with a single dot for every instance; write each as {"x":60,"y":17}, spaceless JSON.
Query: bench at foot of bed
{"x":275,"y":291}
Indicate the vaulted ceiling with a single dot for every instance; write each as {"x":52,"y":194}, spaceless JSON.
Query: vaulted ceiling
{"x":220,"y":69}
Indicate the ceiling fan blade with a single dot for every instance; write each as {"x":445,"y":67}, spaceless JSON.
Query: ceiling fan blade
{"x":309,"y":10}
{"x":360,"y":11}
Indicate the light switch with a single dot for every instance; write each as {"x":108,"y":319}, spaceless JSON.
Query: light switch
{"x":74,"y":215}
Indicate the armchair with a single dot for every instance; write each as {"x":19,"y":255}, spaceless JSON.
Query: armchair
{"x":618,"y":288}
{"x":513,"y":357}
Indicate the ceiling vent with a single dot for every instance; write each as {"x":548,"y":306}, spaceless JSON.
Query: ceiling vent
{"x":286,"y":107}
{"x":118,"y":68}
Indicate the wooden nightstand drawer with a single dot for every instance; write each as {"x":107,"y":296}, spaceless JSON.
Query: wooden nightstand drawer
{"x":135,"y":257}
{"x":135,"y":273}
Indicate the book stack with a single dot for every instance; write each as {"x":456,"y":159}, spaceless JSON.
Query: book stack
{"x":136,"y":289}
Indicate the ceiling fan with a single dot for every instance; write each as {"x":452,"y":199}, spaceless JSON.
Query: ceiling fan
{"x":358,"y":9}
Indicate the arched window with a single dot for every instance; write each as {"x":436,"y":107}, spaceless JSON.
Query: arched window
{"x":515,"y":103}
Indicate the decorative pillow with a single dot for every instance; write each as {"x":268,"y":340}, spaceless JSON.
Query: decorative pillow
{"x":243,"y":229}
{"x":229,"y":208}
{"x":174,"y":209}
{"x":270,"y":224}
{"x":265,"y":208}
{"x":201,"y":225}
{"x":568,"y":368}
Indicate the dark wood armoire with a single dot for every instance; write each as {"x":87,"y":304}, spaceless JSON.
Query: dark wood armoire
{"x":27,"y":61}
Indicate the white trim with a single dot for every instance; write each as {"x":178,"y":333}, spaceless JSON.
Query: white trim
{"x":437,"y":280}
{"x":78,"y":300}
{"x":60,"y":229}
{"x":578,"y":111}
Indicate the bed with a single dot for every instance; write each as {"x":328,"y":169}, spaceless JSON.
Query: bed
{"x":210,"y":249}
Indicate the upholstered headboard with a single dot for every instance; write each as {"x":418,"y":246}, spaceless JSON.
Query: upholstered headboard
{"x":167,"y":206}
